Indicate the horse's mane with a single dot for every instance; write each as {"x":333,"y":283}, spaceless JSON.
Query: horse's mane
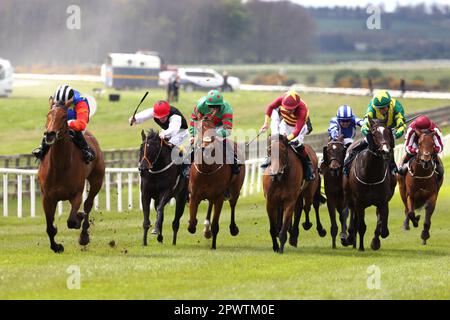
{"x":152,"y":135}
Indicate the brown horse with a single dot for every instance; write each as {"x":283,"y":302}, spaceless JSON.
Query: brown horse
{"x":371,"y":183}
{"x":210,"y":180}
{"x":282,"y":184}
{"x":310,"y":196}
{"x":62,"y":174}
{"x":331,"y":168}
{"x":420,"y":187}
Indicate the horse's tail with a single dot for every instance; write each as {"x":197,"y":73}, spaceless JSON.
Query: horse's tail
{"x":318,"y":197}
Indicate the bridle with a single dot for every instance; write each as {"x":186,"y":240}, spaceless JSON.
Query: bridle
{"x":334,"y":158}
{"x":150,"y":163}
{"x":61,"y":132}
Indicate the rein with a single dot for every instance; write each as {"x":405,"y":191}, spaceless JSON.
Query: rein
{"x":368,"y":183}
{"x":156,"y":159}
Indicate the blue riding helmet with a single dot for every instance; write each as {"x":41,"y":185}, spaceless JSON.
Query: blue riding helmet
{"x":344,"y":113}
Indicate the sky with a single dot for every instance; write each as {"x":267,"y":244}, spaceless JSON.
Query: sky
{"x":388,"y":5}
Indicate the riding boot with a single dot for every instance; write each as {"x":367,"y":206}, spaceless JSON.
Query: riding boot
{"x":306,"y":161}
{"x":265,"y":163}
{"x":439,"y":169}
{"x":235,"y":169}
{"x":352,"y":155}
{"x":41,"y":151}
{"x":80,"y":142}
{"x":392,"y":165}
{"x":404,"y":166}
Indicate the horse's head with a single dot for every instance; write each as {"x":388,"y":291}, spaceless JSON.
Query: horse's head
{"x":426,"y":149}
{"x":56,"y":125}
{"x":206,"y":128}
{"x":380,"y":138}
{"x":150,"y":150}
{"x":335,"y":155}
{"x":278,"y":156}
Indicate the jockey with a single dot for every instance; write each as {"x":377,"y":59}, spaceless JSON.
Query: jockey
{"x":170,"y":119}
{"x":289,"y":113}
{"x":77,"y":119}
{"x":221,"y":112}
{"x":382,"y":107}
{"x":420,"y":125}
{"x":344,"y":124}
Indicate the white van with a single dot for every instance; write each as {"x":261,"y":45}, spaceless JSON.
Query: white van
{"x":6,"y":78}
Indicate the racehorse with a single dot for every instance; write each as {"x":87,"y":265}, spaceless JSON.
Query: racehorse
{"x":210,"y":180}
{"x":420,"y":187}
{"x":62,"y":174}
{"x":310,"y":196}
{"x":282,"y":184}
{"x":331,"y":168}
{"x":161,"y":180}
{"x":371,"y":183}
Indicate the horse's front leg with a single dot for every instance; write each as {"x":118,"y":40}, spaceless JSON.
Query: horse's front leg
{"x":49,"y":208}
{"x":287,"y":223}
{"x":145,"y":200}
{"x":161,"y":203}
{"x":193,"y":208}
{"x":207,"y":230}
{"x":334,"y":228}
{"x":410,"y":213}
{"x":179,"y":210}
{"x":429,"y":209}
{"x":294,"y":230}
{"x":376,"y":244}
{"x":361,"y":224}
{"x":215,"y":223}
{"x":343,"y":215}
{"x":320,"y":230}
{"x":75,"y":217}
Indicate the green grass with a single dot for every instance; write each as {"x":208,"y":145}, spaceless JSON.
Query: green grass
{"x":242,"y":267}
{"x":25,"y":112}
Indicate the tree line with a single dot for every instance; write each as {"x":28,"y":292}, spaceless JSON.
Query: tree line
{"x":182,"y":31}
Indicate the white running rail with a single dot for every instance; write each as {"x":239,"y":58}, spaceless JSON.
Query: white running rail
{"x":125,"y":178}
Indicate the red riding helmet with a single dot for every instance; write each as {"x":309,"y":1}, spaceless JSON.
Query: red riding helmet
{"x":161,"y":109}
{"x":291,"y":100}
{"x":423,"y":123}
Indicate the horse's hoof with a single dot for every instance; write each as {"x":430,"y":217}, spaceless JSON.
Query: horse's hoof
{"x":307,"y":225}
{"x":160,"y":238}
{"x":322,"y":232}
{"x":192,"y":229}
{"x":415,"y":221}
{"x":384,"y":233}
{"x":375,"y":244}
{"x":425,"y":235}
{"x":84,"y":240}
{"x":58,"y":248}
{"x":424,"y":242}
{"x":406,"y":225}
{"x":280,"y":250}
{"x":293,"y":241}
{"x":234,"y":230}
{"x":361,"y":249}
{"x":144,"y":243}
{"x":207,"y":234}
{"x":73,"y":224}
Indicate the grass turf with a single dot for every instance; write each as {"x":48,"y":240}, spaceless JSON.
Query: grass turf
{"x":242,"y":267}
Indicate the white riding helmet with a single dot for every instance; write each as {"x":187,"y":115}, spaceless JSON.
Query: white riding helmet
{"x":63,"y":93}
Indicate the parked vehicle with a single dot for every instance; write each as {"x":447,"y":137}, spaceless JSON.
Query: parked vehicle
{"x":6,"y":78}
{"x":199,"y":79}
{"x":131,"y":70}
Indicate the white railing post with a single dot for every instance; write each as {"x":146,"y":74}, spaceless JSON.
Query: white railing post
{"x":19,"y":195}
{"x":260,"y":173}
{"x":252,"y":178}
{"x":32,"y":196}
{"x":119,"y":192}
{"x":96,"y":203}
{"x":108,"y":191}
{"x":5,"y":195}
{"x":60,"y":208}
{"x":130,"y":191}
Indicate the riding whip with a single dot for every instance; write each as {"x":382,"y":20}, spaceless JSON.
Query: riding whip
{"x":142,"y":100}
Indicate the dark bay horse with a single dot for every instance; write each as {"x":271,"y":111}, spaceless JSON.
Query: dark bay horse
{"x":161,"y":180}
{"x":210,"y":180}
{"x":331,"y":168}
{"x":62,"y":174}
{"x":420,"y":187}
{"x":371,"y":183}
{"x":282,"y":184}
{"x":310,"y":196}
